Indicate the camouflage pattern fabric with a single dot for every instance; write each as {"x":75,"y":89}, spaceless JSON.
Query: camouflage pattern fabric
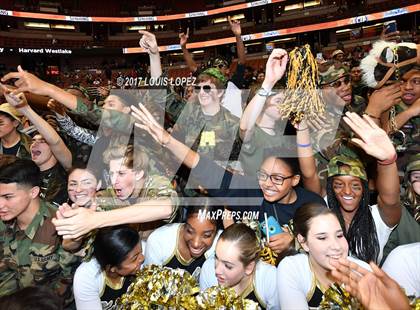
{"x":35,"y":256}
{"x":332,"y":74}
{"x":214,"y":136}
{"x":344,"y":165}
{"x":54,"y":184}
{"x":413,"y":163}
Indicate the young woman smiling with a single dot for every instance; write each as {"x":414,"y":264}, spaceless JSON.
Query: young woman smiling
{"x":187,"y":244}
{"x":236,"y":265}
{"x":302,"y":279}
{"x":367,"y":228}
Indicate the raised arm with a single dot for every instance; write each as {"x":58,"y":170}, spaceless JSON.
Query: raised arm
{"x":235,"y":26}
{"x":146,"y":121}
{"x":375,"y":142}
{"x":275,"y":69}
{"x":57,"y":145}
{"x":149,"y":43}
{"x":27,"y":82}
{"x":306,"y":159}
{"x":183,"y":38}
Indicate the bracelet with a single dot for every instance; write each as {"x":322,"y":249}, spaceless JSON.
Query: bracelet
{"x":304,"y":145}
{"x":387,"y":162}
{"x":375,"y":117}
{"x":298,"y":129}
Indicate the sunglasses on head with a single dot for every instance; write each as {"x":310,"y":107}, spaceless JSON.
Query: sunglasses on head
{"x":206,"y":88}
{"x":338,"y":83}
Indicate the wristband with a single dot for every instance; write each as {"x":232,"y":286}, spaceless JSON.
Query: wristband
{"x":371,"y":116}
{"x":387,"y":162}
{"x":304,"y":145}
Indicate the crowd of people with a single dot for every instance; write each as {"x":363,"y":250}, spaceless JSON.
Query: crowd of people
{"x":93,"y":190}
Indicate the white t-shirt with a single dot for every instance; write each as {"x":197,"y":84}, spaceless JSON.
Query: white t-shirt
{"x":295,"y":281}
{"x":383,"y":231}
{"x":162,"y":243}
{"x":403,"y":265}
{"x":264,"y":282}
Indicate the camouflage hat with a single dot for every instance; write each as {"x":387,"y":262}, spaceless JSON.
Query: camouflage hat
{"x":214,"y":72}
{"x":6,"y":108}
{"x":220,"y":62}
{"x":413,"y":163}
{"x":332,"y":74}
{"x":343,"y":165}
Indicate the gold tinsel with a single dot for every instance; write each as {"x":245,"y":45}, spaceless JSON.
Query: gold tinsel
{"x":301,"y":98}
{"x":335,"y":297}
{"x":220,"y":298}
{"x":157,"y":287}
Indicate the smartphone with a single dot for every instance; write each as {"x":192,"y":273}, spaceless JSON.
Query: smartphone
{"x":319,"y":56}
{"x":390,"y":26}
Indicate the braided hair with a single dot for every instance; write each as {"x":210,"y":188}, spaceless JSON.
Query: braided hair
{"x":361,"y":235}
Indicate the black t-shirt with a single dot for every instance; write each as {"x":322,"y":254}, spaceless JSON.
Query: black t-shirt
{"x":11,"y":150}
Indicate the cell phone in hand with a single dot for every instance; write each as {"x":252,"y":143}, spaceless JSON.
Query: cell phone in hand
{"x":390,"y":26}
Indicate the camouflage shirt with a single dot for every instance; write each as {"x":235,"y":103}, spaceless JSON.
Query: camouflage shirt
{"x":54,"y":184}
{"x":214,"y":136}
{"x":34,"y":256}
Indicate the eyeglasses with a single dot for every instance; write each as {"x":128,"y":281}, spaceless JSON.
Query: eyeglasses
{"x":221,"y":66}
{"x":275,"y":178}
{"x":338,"y":83}
{"x":206,"y":88}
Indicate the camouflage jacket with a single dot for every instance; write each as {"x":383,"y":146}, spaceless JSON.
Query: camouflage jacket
{"x":34,"y":256}
{"x":214,"y":136}
{"x":155,"y":187}
{"x":24,"y":149}
{"x":411,"y":130}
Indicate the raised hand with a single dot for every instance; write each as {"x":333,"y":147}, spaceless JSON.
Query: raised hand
{"x":384,"y":98}
{"x":56,"y":107}
{"x":183,"y":38}
{"x":275,"y":67}
{"x":235,"y":26}
{"x":375,"y":290}
{"x":146,"y":121}
{"x":392,"y":36}
{"x":148,"y":42}
{"x":373,"y":140}
{"x":73,"y":222}
{"x":17,"y":100}
{"x":26,"y":82}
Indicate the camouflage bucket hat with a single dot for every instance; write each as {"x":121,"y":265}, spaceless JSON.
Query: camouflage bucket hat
{"x":413,"y":163}
{"x":343,"y":165}
{"x":332,"y":74}
{"x":214,"y":72}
